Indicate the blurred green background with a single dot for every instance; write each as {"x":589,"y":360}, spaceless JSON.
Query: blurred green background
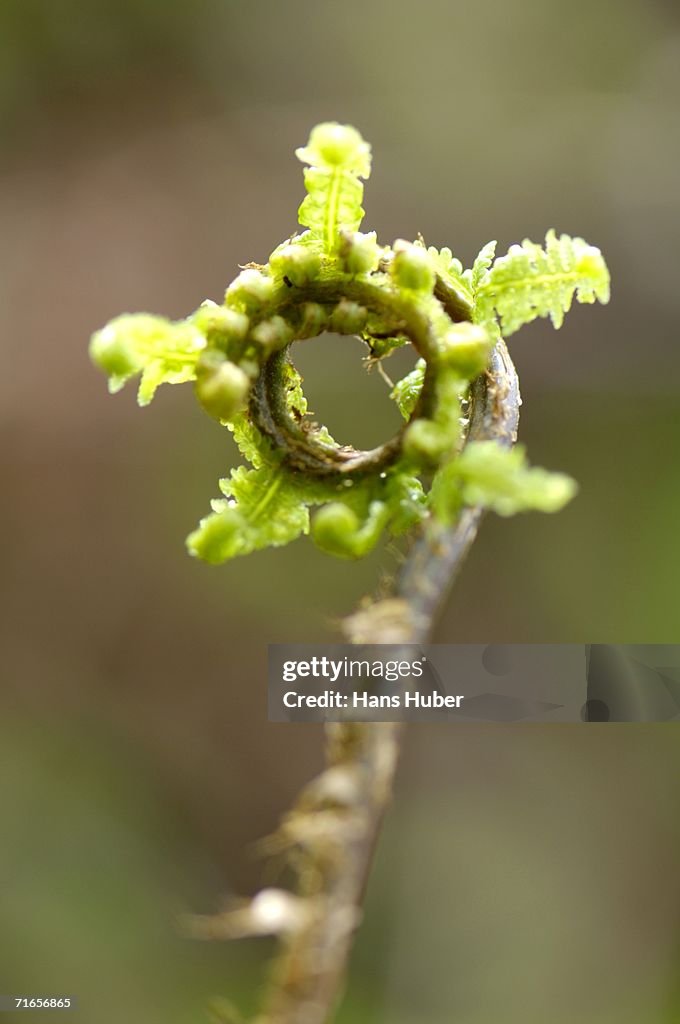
{"x":526,"y":874}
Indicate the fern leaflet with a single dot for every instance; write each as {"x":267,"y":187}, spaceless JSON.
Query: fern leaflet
{"x":531,"y":281}
{"x":338,"y":159}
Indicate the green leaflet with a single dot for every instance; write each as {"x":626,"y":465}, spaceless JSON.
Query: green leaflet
{"x":406,"y":391}
{"x":161,"y":351}
{"x":269,"y":507}
{"x":451,"y":273}
{"x":338,"y":159}
{"x":481,"y":265}
{"x":298,"y":405}
{"x":497,"y":478}
{"x":263,"y":508}
{"x":531,"y":281}
{"x":266,"y":506}
{"x":251,"y":444}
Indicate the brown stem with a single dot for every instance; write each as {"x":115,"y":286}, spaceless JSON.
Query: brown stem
{"x":337,"y":819}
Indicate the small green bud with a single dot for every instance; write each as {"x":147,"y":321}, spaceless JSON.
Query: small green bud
{"x":250,"y":367}
{"x":216,"y":538}
{"x":466,"y":348}
{"x":298,"y":263}
{"x":113,"y":351}
{"x":412,"y":267}
{"x":335,"y":142}
{"x":314,"y":321}
{"x":273,"y":334}
{"x":359,"y":253}
{"x":425,"y":442}
{"x":250,"y":291}
{"x":334,"y":145}
{"x":334,"y":529}
{"x":222,"y":389}
{"x":348,"y":317}
{"x":221,"y":325}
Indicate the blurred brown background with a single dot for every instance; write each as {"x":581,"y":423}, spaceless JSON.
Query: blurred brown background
{"x":526,"y":873}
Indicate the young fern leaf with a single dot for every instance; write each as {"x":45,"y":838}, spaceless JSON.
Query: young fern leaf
{"x":161,"y":351}
{"x":351,"y":528}
{"x":531,"y":281}
{"x":250,"y":442}
{"x":339,"y":531}
{"x":451,"y":273}
{"x":481,"y":265}
{"x":338,"y":159}
{"x":487,"y":475}
{"x":262,"y":508}
{"x":406,"y":391}
{"x":265,"y":506}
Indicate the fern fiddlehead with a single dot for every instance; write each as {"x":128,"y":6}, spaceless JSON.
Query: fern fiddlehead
{"x":452,"y":459}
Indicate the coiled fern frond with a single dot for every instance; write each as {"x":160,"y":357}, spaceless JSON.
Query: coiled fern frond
{"x":332,"y":277}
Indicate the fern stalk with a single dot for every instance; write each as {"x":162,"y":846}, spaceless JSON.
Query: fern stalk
{"x":308,"y":972}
